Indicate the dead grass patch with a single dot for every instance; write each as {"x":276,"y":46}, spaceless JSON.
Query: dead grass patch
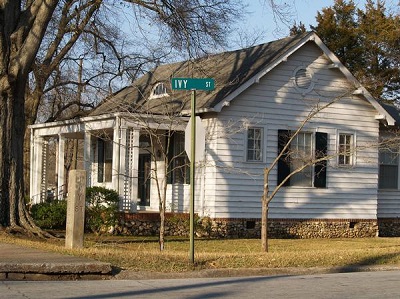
{"x":142,"y":254}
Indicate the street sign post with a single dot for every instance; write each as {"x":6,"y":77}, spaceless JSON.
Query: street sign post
{"x":192,"y":84}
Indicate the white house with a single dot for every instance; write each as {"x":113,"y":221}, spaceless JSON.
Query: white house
{"x":262,"y":95}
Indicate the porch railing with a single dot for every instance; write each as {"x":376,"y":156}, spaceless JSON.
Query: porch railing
{"x":49,"y":195}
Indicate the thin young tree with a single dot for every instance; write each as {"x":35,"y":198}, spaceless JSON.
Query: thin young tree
{"x":305,"y":160}
{"x":160,"y":122}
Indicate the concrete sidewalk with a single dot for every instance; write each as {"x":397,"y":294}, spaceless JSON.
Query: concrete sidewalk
{"x":23,"y":263}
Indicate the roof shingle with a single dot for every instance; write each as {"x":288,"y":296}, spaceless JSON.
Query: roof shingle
{"x":229,"y":70}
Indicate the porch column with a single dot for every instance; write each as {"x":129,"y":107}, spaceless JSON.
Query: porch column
{"x":60,"y":168}
{"x":43,"y":185}
{"x":34,"y":176}
{"x":88,"y":156}
{"x":125,"y":161}
{"x":122,"y":166}
{"x":116,"y":156}
{"x":131,"y":160}
{"x":37,"y":176}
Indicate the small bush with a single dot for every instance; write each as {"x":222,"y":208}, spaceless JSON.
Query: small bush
{"x":50,"y":214}
{"x":101,"y":209}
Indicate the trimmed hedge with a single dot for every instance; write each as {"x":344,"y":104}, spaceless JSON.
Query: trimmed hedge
{"x":51,"y":215}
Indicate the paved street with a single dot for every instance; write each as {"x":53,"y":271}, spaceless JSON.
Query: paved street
{"x":383,"y":284}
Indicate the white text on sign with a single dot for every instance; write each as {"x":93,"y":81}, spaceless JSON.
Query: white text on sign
{"x":180,"y":84}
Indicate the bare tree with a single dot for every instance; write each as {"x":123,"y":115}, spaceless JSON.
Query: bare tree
{"x":303,"y":159}
{"x":159,"y":135}
{"x":27,"y":25}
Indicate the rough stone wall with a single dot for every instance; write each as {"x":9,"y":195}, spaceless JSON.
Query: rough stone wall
{"x":306,"y":229}
{"x":389,"y":227}
{"x":147,"y":224}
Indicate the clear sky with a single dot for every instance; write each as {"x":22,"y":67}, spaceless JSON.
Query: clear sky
{"x":260,"y":18}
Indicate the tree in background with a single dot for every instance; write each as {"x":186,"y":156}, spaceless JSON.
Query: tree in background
{"x":37,"y":39}
{"x":367,"y":42}
{"x":297,"y":29}
{"x":380,"y":35}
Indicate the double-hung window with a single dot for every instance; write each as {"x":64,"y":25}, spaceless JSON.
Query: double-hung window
{"x":254,"y":145}
{"x":302,"y":162}
{"x":104,"y":160}
{"x":388,"y":168}
{"x":346,"y":148}
{"x":178,"y":167}
{"x":301,"y":155}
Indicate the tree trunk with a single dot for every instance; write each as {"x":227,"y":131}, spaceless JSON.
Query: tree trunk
{"x":21,"y":33}
{"x":162,"y":203}
{"x":162,"y":226}
{"x":264,"y":226}
{"x":11,"y":164}
{"x":264,"y":213}
{"x":14,"y":215}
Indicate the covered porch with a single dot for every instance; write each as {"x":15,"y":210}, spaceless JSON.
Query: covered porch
{"x":107,"y":147}
{"x":131,"y":155}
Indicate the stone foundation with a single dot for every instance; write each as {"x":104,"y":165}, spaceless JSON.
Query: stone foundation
{"x":147,"y":224}
{"x":389,"y":227}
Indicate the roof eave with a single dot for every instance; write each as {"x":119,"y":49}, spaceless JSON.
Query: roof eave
{"x":349,"y":76}
{"x":312,"y":36}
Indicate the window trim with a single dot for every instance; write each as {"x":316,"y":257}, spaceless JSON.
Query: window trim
{"x":308,"y":72}
{"x":262,"y":143}
{"x":352,"y":155}
{"x":312,"y":156}
{"x":105,"y":149}
{"x":173,"y":157}
{"x":320,"y":141}
{"x":379,"y":171}
{"x":161,"y":95}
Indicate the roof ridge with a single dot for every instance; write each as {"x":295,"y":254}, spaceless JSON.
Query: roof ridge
{"x":230,"y":69}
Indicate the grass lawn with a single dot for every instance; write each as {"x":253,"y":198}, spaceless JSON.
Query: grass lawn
{"x":142,"y":254}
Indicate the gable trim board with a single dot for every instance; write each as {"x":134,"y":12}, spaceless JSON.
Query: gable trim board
{"x":383,"y":114}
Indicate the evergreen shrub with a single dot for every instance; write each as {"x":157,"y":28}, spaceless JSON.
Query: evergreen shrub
{"x":50,"y":215}
{"x":101,"y":209}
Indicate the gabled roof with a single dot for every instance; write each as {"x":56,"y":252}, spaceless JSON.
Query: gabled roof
{"x":233,"y":72}
{"x":230,"y":70}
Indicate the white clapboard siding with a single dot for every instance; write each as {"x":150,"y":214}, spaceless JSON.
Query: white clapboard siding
{"x":388,"y":204}
{"x":234,"y":187}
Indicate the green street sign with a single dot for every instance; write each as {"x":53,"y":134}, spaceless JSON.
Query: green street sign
{"x":192,"y":83}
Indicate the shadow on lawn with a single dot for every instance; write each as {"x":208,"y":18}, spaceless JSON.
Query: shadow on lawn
{"x":368,"y":263}
{"x":131,"y":239}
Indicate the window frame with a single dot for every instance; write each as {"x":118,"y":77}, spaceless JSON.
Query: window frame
{"x":319,"y":149}
{"x":352,"y":153}
{"x":296,"y":76}
{"x":397,"y":167}
{"x":158,"y":85}
{"x":261,"y":142}
{"x":105,"y":149}
{"x":309,"y":170}
{"x":178,"y":162}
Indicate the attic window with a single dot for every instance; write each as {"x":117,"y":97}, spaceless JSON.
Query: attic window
{"x":159,"y":90}
{"x":303,"y":79}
